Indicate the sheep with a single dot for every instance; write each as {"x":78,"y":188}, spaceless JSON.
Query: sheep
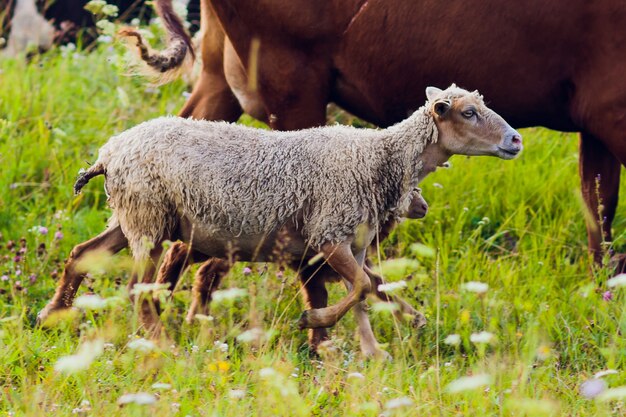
{"x":313,"y":276}
{"x":235,"y":191}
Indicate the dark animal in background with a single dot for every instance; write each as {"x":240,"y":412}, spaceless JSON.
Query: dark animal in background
{"x":558,"y":64}
{"x":72,"y":22}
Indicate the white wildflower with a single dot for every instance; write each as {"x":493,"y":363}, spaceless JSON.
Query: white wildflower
{"x":475,"y":287}
{"x":252,"y":335}
{"x":228,"y":294}
{"x":437,"y":185}
{"x":605,"y":373}
{"x":90,"y":302}
{"x":383,"y":306}
{"x":82,"y":359}
{"x":221,"y":346}
{"x":617,"y":281}
{"x":591,"y":388}
{"x":355,"y":375}
{"x":267,"y":373}
{"x":143,"y":288}
{"x":482,"y":337}
{"x":110,"y":10}
{"x":612,"y":394}
{"x":236,"y":394}
{"x":398,"y":402}
{"x":142,"y":345}
{"x":392,"y":286}
{"x":108,"y":28}
{"x":161,"y":385}
{"x":203,"y":317}
{"x":452,"y":339}
{"x":140,"y":398}
{"x":467,"y":383}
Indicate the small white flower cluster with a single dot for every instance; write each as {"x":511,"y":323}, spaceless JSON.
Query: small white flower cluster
{"x":142,"y":345}
{"x":618,"y":280}
{"x":82,"y":359}
{"x":468,"y":383}
{"x":139,"y":398}
{"x":452,"y":340}
{"x":94,"y":302}
{"x":146,"y":288}
{"x":255,"y":335}
{"x":597,"y":387}
{"x":482,"y":337}
{"x":392,"y":286}
{"x":475,"y":287}
{"x":229,"y":294}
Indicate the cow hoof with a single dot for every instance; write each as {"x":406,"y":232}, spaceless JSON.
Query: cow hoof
{"x":418,"y":321}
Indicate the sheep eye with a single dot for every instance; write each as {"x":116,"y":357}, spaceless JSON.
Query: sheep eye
{"x":468,"y":114}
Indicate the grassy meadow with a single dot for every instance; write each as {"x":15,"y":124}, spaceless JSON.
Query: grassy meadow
{"x":517,"y":226}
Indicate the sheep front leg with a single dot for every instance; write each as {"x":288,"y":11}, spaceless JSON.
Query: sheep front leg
{"x":111,"y":240}
{"x":340,"y":258}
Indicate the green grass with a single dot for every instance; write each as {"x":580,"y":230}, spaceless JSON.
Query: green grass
{"x":516,"y":225}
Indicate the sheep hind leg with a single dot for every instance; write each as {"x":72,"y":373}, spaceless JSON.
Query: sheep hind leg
{"x":340,"y":258}
{"x":207,"y":280}
{"x":315,"y":296}
{"x":418,"y":319}
{"x":111,"y":240}
{"x":148,"y":306}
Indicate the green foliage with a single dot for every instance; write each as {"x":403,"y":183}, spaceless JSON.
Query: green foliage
{"x":515,"y":225}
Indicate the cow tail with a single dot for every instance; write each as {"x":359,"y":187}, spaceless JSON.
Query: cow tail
{"x":167,"y":65}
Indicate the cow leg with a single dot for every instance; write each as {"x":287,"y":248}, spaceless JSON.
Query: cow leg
{"x":599,"y":174}
{"x":340,"y":258}
{"x":111,"y":240}
{"x":207,"y":280}
{"x":212,"y":98}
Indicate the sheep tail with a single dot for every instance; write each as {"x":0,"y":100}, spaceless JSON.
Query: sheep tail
{"x":167,"y":65}
{"x":84,"y":175}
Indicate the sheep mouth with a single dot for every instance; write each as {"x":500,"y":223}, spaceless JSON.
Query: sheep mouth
{"x":508,"y":153}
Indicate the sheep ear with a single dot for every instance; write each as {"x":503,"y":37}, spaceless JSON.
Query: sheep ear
{"x":432,"y":93}
{"x":442,"y":107}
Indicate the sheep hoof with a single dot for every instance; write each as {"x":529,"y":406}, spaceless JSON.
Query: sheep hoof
{"x":377,"y":354}
{"x":418,"y":321}
{"x":303,"y":321}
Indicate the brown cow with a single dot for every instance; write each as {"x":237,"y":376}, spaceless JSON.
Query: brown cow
{"x":558,"y":64}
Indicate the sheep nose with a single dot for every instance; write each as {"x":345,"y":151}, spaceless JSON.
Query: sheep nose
{"x":516,"y":139}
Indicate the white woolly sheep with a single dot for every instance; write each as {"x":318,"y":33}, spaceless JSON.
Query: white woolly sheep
{"x":234,"y":191}
{"x":313,"y":276}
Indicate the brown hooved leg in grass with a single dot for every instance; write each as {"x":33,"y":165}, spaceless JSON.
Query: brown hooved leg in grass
{"x":340,"y":258}
{"x":418,"y":321}
{"x":206,"y":281}
{"x":149,"y":308}
{"x":315,"y":296}
{"x":111,"y":240}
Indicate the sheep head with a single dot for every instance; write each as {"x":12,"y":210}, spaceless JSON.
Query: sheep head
{"x":468,"y":127}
